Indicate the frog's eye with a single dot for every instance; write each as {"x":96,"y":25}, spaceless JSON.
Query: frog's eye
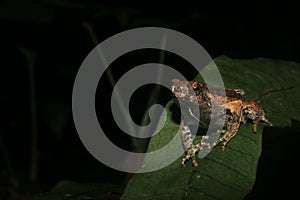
{"x":178,"y":89}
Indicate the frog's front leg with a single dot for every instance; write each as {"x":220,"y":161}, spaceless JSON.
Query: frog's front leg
{"x":190,"y":154}
{"x":187,"y":142}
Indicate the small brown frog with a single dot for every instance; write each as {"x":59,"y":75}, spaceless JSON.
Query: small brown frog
{"x":196,"y":95}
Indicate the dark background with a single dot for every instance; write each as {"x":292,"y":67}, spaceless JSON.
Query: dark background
{"x":43,"y":44}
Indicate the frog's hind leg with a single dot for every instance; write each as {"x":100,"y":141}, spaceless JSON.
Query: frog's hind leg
{"x":233,"y":123}
{"x":231,"y":131}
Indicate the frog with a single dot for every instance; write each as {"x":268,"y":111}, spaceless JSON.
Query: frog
{"x":196,"y":99}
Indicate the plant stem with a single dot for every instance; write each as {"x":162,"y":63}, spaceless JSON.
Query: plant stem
{"x":95,"y":39}
{"x":153,"y":97}
{"x":30,"y":58}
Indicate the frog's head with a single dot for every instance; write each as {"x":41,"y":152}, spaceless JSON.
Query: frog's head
{"x":187,"y":90}
{"x":181,"y":89}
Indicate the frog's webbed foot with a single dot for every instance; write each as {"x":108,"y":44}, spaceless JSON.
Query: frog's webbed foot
{"x":190,"y":154}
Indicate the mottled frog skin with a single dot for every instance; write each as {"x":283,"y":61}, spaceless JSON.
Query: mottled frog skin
{"x":196,"y":106}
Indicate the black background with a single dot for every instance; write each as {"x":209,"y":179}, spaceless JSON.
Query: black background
{"x":54,"y":32}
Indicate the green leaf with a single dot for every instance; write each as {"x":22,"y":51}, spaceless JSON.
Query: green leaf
{"x":259,"y":76}
{"x":230,"y":174}
{"x":78,"y":191}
